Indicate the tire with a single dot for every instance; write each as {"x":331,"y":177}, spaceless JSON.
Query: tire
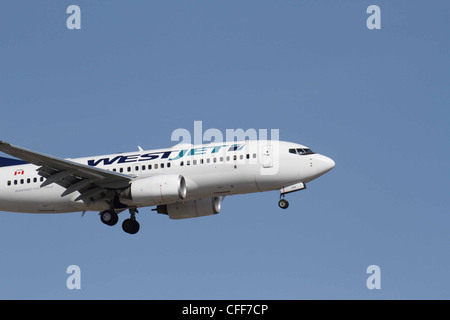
{"x":283,"y":204}
{"x":109,"y":217}
{"x":130,"y":226}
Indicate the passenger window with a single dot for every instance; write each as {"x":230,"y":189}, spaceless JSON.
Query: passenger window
{"x":15,"y":181}
{"x":194,"y":162}
{"x":207,"y":160}
{"x":188,"y":163}
{"x":28,"y":180}
{"x":181,"y":163}
{"x":201,"y":161}
{"x":149,"y":167}
{"x":121,"y":169}
{"x":143,"y":167}
{"x":248,"y":156}
{"x":129,"y":169}
{"x":162,"y":165}
{"x":156,"y":166}
{"x":34,"y":180}
{"x":168,"y":164}
{"x":9,"y":182}
{"x":254,"y":155}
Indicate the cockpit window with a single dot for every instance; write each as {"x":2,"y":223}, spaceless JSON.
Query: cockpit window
{"x":301,"y":151}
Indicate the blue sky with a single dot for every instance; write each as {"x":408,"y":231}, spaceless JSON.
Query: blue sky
{"x":376,"y":101}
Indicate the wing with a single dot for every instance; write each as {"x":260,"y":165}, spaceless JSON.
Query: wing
{"x":91,"y":182}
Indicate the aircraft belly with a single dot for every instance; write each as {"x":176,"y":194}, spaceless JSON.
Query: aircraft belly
{"x":222,"y":184}
{"x":36,"y":200}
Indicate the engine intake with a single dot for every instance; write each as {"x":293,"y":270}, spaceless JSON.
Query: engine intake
{"x":154,"y":190}
{"x":192,"y":208}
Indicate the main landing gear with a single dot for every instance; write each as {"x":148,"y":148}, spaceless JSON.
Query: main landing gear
{"x":110,"y":218}
{"x":130,"y":225}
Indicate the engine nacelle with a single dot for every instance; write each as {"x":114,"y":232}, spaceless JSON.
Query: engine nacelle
{"x":192,"y":208}
{"x":154,"y":190}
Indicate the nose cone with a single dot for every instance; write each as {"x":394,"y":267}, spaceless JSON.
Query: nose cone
{"x":324,"y":164}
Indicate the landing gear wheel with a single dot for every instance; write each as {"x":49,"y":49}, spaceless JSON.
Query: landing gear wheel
{"x":283,"y":204}
{"x":109,"y":217}
{"x":130,"y":226}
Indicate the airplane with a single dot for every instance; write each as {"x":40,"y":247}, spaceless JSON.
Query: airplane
{"x":184,"y":181}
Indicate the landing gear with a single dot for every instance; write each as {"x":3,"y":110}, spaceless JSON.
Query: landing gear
{"x":109,"y":217}
{"x":130,"y":225}
{"x":283,"y":203}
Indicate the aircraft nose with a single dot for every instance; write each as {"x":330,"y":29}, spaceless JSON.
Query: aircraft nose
{"x":325,"y":164}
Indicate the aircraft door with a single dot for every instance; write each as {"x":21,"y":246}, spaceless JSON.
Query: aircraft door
{"x":267,"y":156}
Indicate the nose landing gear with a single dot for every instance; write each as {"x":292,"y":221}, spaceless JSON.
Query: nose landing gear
{"x":283,"y":203}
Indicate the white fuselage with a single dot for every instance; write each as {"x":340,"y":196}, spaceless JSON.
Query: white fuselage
{"x":210,"y":170}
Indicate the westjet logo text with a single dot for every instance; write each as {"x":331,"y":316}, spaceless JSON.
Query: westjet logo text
{"x":168,"y":154}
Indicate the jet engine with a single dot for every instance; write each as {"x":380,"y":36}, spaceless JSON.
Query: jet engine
{"x":191,"y":209}
{"x":154,"y":190}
